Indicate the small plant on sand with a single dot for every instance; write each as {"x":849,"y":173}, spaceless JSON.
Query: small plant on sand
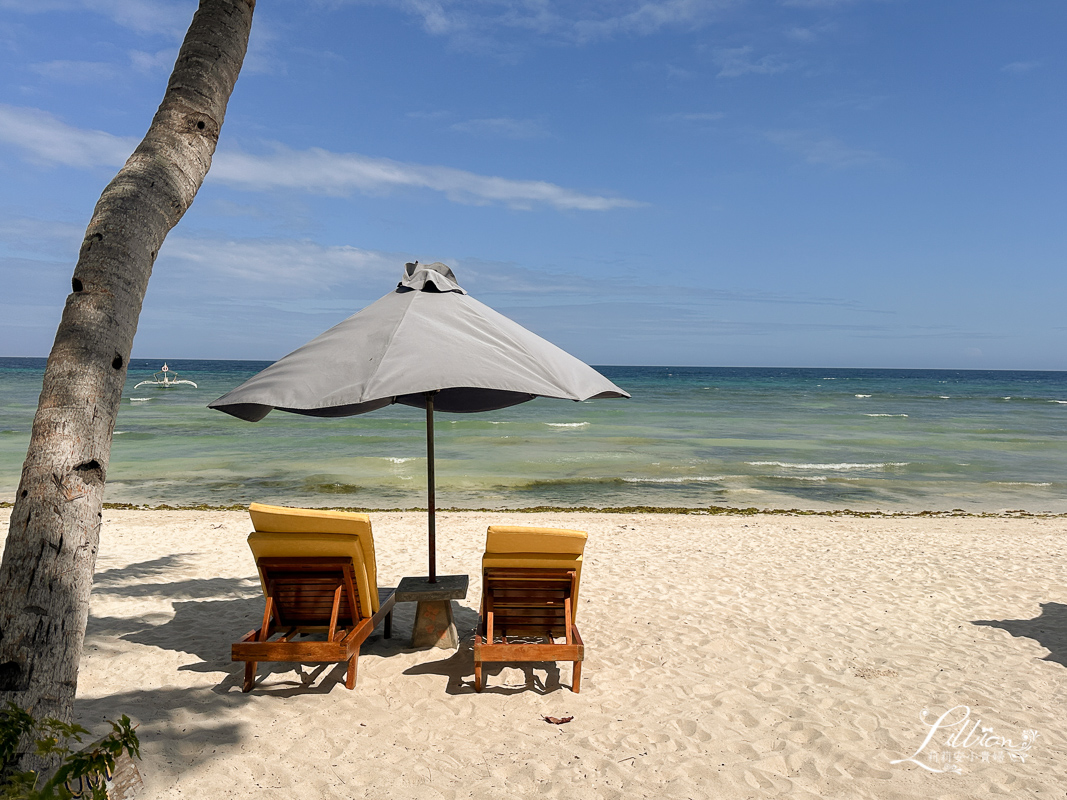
{"x":81,"y":773}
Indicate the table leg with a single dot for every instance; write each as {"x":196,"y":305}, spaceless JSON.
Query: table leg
{"x":434,"y":625}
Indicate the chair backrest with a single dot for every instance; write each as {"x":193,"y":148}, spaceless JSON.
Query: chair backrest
{"x":282,"y":532}
{"x":528,"y":547}
{"x":304,"y":590}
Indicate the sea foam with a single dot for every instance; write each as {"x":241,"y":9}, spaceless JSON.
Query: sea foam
{"x":843,"y":466}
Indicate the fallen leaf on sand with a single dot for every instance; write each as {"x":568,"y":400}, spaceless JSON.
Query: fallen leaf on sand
{"x":557,"y":720}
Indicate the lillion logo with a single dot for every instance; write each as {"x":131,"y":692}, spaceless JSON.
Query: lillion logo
{"x":964,"y":740}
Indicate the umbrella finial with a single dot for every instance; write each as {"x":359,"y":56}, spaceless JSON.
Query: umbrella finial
{"x":435,"y":277}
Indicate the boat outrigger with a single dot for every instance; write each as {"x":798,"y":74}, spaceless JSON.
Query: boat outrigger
{"x":165,"y":378}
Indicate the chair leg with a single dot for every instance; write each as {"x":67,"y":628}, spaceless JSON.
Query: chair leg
{"x":250,"y":676}
{"x":477,"y":666}
{"x":350,"y":679}
{"x":388,"y":631}
{"x":576,"y":677}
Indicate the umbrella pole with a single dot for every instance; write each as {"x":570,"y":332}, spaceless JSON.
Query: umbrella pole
{"x":431,"y":489}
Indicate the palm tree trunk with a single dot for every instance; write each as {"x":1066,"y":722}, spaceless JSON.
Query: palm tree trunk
{"x":51,"y":548}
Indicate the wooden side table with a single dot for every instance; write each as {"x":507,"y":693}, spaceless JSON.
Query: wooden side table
{"x":434,"y":624}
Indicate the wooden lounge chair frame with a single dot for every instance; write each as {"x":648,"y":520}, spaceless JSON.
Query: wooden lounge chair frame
{"x":527,"y":603}
{"x":306,"y":595}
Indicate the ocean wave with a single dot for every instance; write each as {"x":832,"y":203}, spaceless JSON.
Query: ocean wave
{"x":863,"y":395}
{"x":1020,"y":483}
{"x":567,"y":424}
{"x":844,"y":466}
{"x":606,"y":481}
{"x":310,"y":484}
{"x":1060,"y":402}
{"x":885,"y":415}
{"x":140,"y":399}
{"x":694,"y":479}
{"x":401,"y":460}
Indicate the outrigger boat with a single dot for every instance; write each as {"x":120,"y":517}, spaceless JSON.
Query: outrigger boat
{"x":165,"y":378}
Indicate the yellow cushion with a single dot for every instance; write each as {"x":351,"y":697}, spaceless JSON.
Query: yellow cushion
{"x":528,"y":547}
{"x":529,"y":539}
{"x":286,"y":532}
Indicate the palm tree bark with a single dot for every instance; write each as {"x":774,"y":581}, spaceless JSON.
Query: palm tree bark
{"x":51,"y":548}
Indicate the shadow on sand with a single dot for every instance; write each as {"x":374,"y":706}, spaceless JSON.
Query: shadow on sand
{"x":458,"y":667}
{"x":205,"y":628}
{"x":1049,"y":629}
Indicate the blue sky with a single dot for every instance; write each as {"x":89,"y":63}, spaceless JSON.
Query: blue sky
{"x":850,"y":183}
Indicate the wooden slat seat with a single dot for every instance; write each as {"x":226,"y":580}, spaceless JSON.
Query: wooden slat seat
{"x":316,"y":569}
{"x":530,"y":582}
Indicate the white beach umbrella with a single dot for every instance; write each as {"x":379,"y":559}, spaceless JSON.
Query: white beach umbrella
{"x":426,"y":344}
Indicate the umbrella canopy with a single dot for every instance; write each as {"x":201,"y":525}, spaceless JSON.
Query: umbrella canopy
{"x":426,"y":344}
{"x":428,"y":335}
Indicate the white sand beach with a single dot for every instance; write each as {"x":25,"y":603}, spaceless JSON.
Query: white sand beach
{"x":727,"y":657}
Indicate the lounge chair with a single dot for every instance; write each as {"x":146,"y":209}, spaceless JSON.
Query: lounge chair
{"x":530,"y":582}
{"x":318,"y":574}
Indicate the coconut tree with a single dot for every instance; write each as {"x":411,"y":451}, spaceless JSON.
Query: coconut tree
{"x":51,"y":548}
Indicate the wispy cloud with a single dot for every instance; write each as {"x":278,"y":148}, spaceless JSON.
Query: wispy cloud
{"x":153,"y":62}
{"x":37,"y":237}
{"x":323,"y":172}
{"x":165,"y":17}
{"x":1019,"y":67}
{"x":49,"y":140}
{"x":823,"y":150}
{"x":75,"y":71}
{"x":576,"y":21}
{"x":663,"y":68}
{"x":274,"y":266}
{"x":694,"y":116}
{"x":505,"y":127}
{"x":818,"y":3}
{"x":737,"y":61}
{"x":806,"y":34}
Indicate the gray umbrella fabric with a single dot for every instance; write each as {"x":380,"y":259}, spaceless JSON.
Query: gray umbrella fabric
{"x":426,"y":344}
{"x":427,"y":335}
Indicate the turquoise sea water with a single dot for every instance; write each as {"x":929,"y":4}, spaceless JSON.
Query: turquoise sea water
{"x":898,"y":440}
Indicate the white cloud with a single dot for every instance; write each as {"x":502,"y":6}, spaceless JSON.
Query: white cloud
{"x":568,"y":20}
{"x":275,"y":265}
{"x":75,"y":71}
{"x":646,"y":18}
{"x":818,"y":3}
{"x":695,"y":116}
{"x":502,"y":126}
{"x":169,"y":18}
{"x":51,"y":141}
{"x":1019,"y":67}
{"x":322,"y":172}
{"x":823,"y":150}
{"x":153,"y":62}
{"x":261,"y":58}
{"x":38,"y":237}
{"x":810,"y":33}
{"x":737,"y":61}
